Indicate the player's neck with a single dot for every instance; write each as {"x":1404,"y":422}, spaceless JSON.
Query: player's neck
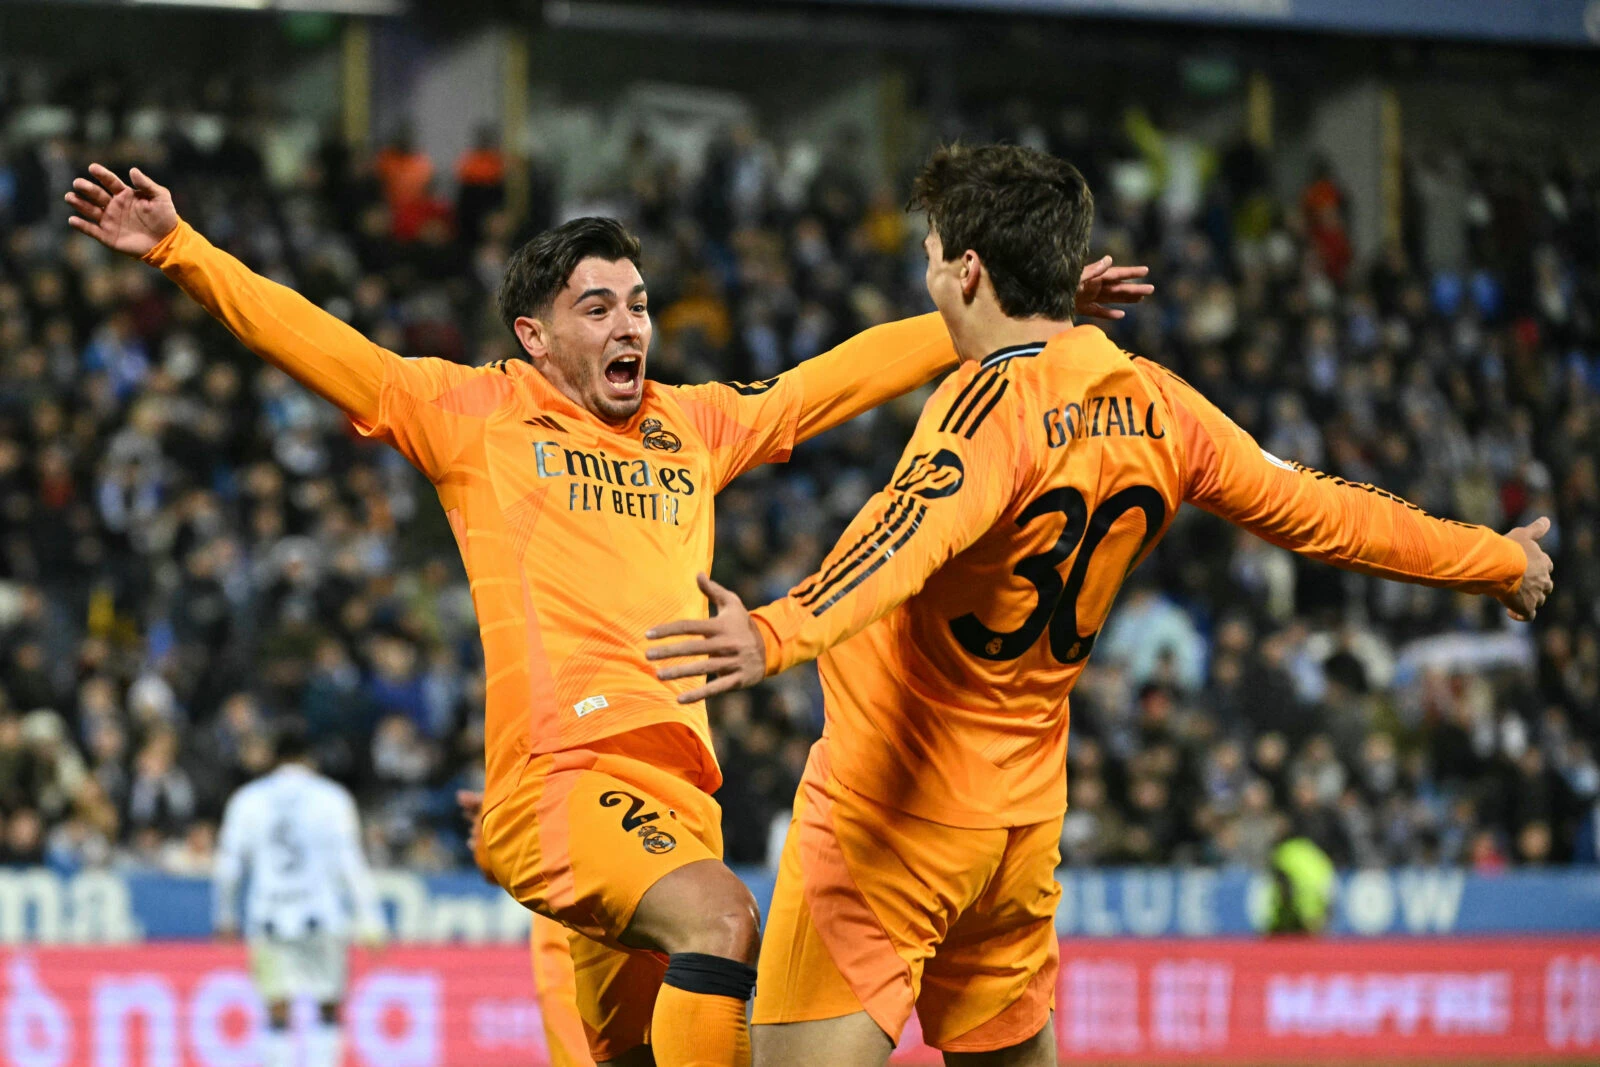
{"x":986,"y":329}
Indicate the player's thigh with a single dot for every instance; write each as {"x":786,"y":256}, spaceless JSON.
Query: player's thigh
{"x":853,"y":1040}
{"x":615,"y":993}
{"x":991,"y":985}
{"x":583,"y":844}
{"x":701,"y":907}
{"x":1037,"y":1051}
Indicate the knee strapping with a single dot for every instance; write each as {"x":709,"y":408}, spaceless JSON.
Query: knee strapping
{"x":718,"y":976}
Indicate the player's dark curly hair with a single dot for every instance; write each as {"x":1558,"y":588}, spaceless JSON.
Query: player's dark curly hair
{"x":540,"y":268}
{"x":1025,"y":213}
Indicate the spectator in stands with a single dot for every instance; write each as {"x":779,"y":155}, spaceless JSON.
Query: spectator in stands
{"x":407,"y":176}
{"x":1092,"y":832}
{"x":23,"y":845}
{"x":1323,"y":211}
{"x":480,"y":183}
{"x":161,"y":797}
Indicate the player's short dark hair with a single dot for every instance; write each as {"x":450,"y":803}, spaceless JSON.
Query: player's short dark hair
{"x":540,"y":268}
{"x":1027,"y":215}
{"x":291,"y":741}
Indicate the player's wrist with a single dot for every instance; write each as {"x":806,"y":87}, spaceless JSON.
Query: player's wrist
{"x":162,"y":250}
{"x":771,"y":644}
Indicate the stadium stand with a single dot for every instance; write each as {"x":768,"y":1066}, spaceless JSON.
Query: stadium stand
{"x":193,"y":548}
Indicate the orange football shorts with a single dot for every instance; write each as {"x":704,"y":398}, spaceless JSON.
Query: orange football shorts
{"x":879,"y":911}
{"x":581,"y":838}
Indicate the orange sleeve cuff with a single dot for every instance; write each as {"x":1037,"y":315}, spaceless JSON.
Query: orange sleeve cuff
{"x":767,"y":626}
{"x":1516,"y":563}
{"x":167,"y":249}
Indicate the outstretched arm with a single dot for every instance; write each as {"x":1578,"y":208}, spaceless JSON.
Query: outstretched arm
{"x":137,"y":218}
{"x":1357,"y":527}
{"x":279,"y":325}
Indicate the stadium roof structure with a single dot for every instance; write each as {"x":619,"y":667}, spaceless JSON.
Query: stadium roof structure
{"x":331,"y":7}
{"x":1569,"y":23}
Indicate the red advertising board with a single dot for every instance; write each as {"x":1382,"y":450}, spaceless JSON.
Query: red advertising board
{"x":1303,"y":1001}
{"x":1132,"y":1002}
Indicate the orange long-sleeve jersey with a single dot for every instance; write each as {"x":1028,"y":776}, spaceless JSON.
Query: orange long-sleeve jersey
{"x":961,"y":604}
{"x":577,"y":535}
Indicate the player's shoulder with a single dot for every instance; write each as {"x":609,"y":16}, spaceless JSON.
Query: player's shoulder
{"x":504,"y":368}
{"x":1084,"y":360}
{"x":1084,"y":349}
{"x":330,"y":788}
{"x":707,"y":409}
{"x":249,"y":794}
{"x":717,"y":390}
{"x":463,"y":389}
{"x":970,"y":395}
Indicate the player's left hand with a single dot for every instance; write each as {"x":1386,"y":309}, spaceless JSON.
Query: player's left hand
{"x":734,"y":655}
{"x":1102,"y":284}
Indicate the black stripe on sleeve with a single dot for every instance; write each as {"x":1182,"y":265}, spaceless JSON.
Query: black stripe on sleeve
{"x":916,"y":521}
{"x":877,"y":543}
{"x":972,"y":427}
{"x":827,"y":575}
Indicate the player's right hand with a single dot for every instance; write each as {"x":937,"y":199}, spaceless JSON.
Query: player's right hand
{"x":127,"y":218}
{"x":228,"y":935}
{"x":1536,"y":581}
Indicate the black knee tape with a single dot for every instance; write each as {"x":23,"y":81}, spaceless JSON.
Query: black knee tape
{"x":717,"y":976}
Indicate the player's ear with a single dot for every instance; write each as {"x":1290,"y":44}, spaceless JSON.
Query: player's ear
{"x":971,"y":274}
{"x":531,"y":332}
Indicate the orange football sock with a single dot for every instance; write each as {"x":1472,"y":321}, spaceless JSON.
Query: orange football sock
{"x":699,"y":1019}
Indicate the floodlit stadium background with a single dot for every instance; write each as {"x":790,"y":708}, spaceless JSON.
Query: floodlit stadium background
{"x":1375,"y":233}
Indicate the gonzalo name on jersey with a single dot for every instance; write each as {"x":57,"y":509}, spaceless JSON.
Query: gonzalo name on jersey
{"x":1101,"y":416}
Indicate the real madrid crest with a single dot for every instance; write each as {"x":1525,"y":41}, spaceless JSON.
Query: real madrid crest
{"x":657,"y":438}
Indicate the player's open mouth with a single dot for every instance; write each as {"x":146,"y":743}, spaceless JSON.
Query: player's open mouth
{"x":623,"y":374}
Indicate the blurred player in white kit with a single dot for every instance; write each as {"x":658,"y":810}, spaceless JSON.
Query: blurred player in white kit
{"x":297,"y":836}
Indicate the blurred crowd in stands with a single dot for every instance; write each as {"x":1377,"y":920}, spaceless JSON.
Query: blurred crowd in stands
{"x":193,"y":550}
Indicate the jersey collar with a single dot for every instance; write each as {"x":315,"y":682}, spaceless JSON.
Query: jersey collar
{"x":1078,"y":333}
{"x":1000,"y":355}
{"x":548,"y":396}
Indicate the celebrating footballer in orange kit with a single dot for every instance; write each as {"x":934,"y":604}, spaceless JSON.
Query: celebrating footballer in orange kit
{"x":580,"y":497}
{"x":960,"y":606}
